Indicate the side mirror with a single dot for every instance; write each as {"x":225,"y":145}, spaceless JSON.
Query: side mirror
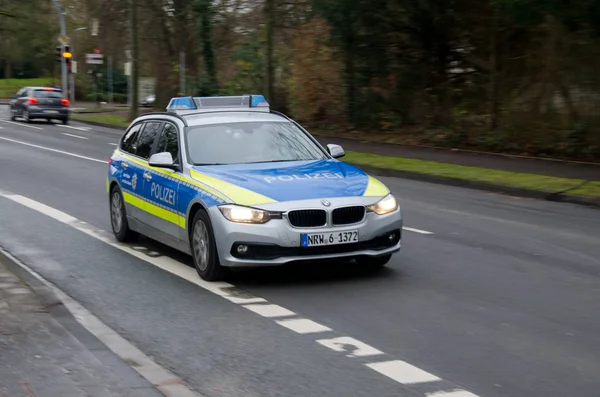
{"x":162,"y":160}
{"x":336,"y":151}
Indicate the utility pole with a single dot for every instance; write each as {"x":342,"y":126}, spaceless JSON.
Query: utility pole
{"x":133,"y":110}
{"x":182,"y":73}
{"x":269,"y":75}
{"x":63,"y":34}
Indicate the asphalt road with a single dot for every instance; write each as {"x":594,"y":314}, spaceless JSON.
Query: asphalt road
{"x":501,"y":299}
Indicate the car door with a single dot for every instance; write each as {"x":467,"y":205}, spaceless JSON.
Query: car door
{"x":144,"y":146}
{"x":161,"y":185}
{"x":129,"y":171}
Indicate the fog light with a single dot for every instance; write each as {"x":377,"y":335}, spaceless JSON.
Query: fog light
{"x":392,"y":236}
{"x":242,"y":249}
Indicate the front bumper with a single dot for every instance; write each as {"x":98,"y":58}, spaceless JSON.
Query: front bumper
{"x":277,"y":242}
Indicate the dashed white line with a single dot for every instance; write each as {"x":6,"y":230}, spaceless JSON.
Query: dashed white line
{"x":270,"y":310}
{"x":74,"y":136}
{"x":113,"y":144}
{"x":74,"y":128}
{"x":453,"y":393}
{"x":303,"y":326}
{"x":412,"y":229}
{"x":400,"y":371}
{"x":403,"y":372}
{"x":22,"y":124}
{"x":340,"y":344}
{"x":54,"y":150}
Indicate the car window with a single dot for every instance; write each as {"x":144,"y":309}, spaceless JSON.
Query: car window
{"x":47,"y":93}
{"x":21,"y":92}
{"x":168,"y":142}
{"x":145,"y":140}
{"x":128,"y":142}
{"x":250,"y":142}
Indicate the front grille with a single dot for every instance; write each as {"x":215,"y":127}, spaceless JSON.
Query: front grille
{"x":307,"y":218}
{"x":347,"y":215}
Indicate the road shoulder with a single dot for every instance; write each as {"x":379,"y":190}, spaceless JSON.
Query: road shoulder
{"x":48,"y":352}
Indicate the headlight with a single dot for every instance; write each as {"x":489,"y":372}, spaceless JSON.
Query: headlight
{"x":384,"y":206}
{"x":240,"y":214}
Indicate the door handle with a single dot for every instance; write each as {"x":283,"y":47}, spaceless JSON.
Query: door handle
{"x":147,"y":176}
{"x":124,"y":165}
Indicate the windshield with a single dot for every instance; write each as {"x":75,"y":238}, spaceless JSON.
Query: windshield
{"x":252,"y":142}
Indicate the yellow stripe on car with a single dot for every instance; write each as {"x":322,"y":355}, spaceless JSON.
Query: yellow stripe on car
{"x":375,"y":188}
{"x":238,"y":194}
{"x":159,"y":212}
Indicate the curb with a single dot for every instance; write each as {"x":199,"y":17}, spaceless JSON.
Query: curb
{"x":114,"y":127}
{"x":55,"y":306}
{"x":440,"y":180}
{"x":489,"y":187}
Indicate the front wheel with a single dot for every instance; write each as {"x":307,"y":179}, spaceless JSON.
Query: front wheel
{"x":374,"y":261}
{"x":11,"y":114}
{"x":118,"y":217}
{"x":204,"y":248}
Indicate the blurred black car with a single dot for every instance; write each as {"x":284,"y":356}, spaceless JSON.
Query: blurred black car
{"x":148,"y":101}
{"x":40,"y":103}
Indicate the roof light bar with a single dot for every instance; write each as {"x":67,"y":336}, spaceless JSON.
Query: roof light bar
{"x":195,"y":103}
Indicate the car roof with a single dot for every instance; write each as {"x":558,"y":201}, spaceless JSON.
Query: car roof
{"x":230,"y":116}
{"x":42,"y":88}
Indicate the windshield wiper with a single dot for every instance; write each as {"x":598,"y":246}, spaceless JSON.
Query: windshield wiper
{"x":273,"y":161}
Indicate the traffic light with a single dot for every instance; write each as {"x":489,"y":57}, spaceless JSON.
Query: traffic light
{"x":59,"y":53}
{"x":67,"y":54}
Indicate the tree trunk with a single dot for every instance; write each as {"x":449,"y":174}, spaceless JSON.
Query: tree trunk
{"x":269,"y":73}
{"x":493,"y":86}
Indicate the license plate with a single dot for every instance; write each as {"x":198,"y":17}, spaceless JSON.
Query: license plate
{"x":51,"y":111}
{"x":316,"y":239}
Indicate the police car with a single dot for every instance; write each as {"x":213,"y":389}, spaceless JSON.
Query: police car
{"x":233,"y":183}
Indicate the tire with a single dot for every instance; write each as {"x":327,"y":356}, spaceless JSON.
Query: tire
{"x":65,"y":121}
{"x":118,"y":217}
{"x":374,"y":262}
{"x":49,"y":121}
{"x":204,"y":249}
{"x":26,"y":116}
{"x":12,"y":114}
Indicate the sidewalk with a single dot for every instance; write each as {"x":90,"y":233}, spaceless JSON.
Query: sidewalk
{"x":491,"y":161}
{"x":39,"y":357}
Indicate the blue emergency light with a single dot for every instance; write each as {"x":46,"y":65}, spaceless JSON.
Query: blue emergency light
{"x":208,"y":102}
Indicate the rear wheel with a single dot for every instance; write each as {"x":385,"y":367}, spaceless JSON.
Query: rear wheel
{"x":204,"y":248}
{"x":118,"y":217}
{"x":374,"y":261}
{"x":65,"y":121}
{"x":26,"y":116}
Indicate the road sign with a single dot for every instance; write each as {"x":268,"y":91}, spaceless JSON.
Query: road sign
{"x":74,"y":67}
{"x":94,"y":59}
{"x":63,"y":39}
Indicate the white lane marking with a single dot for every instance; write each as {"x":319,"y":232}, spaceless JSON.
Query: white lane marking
{"x":403,"y":372}
{"x":453,"y":393}
{"x":74,"y":136}
{"x":74,"y":128}
{"x":397,"y":370}
{"x":358,"y":348}
{"x":270,"y":310}
{"x":113,"y":144}
{"x":22,"y":124}
{"x":54,"y":150}
{"x":304,"y":326}
{"x":1,"y":128}
{"x":412,"y":229}
{"x":163,"y":379}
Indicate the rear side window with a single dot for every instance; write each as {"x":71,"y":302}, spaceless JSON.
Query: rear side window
{"x":50,"y":93}
{"x":128,"y":142}
{"x":146,"y":139}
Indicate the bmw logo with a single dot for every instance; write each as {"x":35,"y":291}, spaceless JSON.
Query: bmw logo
{"x":325,"y":203}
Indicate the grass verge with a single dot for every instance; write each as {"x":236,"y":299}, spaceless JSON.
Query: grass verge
{"x":9,"y":87}
{"x":536,"y":182}
{"x":109,"y":119}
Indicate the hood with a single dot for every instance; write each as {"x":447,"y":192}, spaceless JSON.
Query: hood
{"x":286,"y":181}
